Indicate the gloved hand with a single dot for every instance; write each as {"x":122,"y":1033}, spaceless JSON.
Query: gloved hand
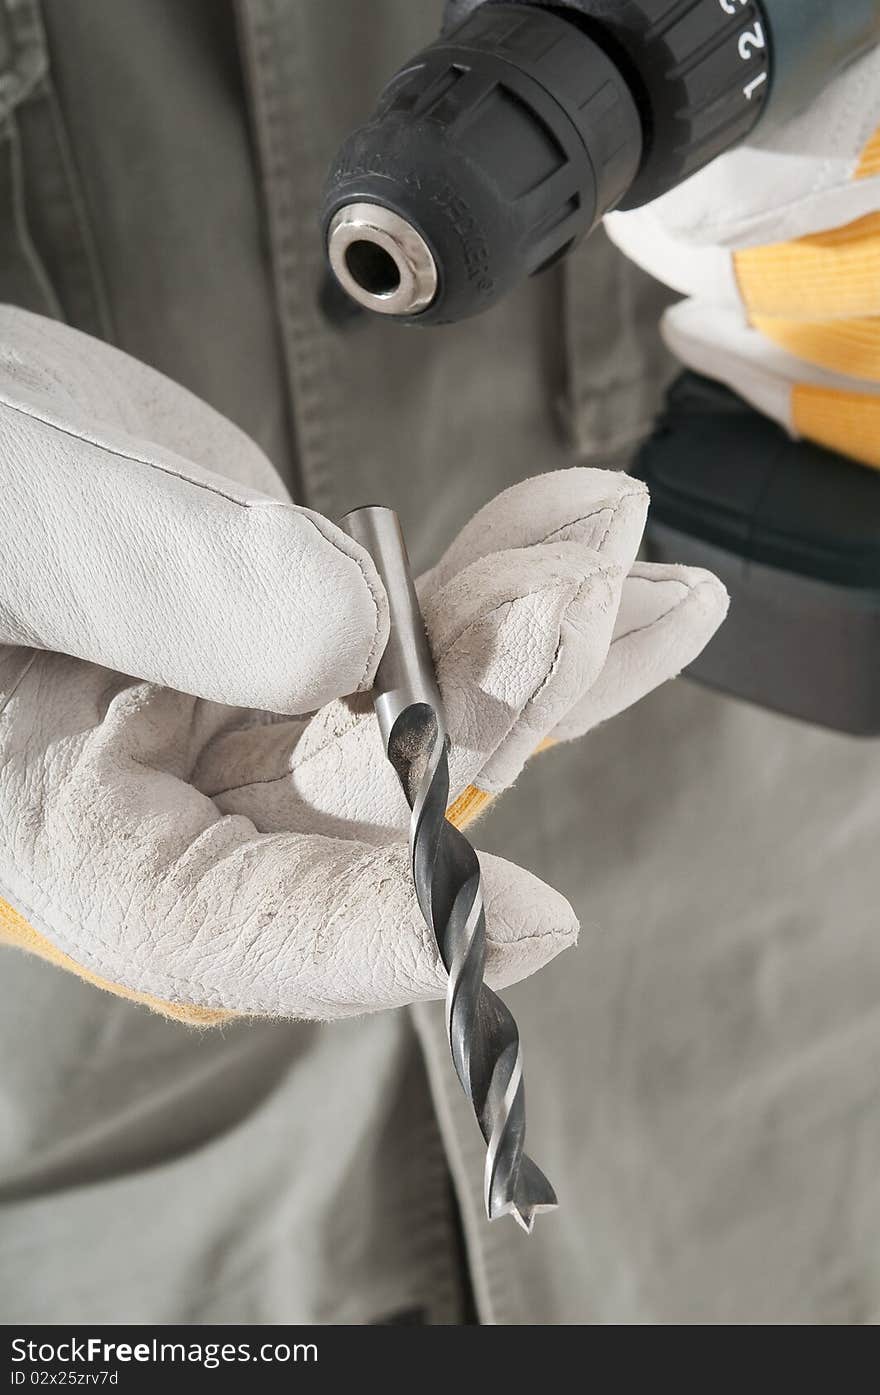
{"x":777,"y":244}
{"x":169,"y":826}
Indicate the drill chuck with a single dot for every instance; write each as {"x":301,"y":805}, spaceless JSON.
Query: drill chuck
{"x":491,"y":152}
{"x":381,"y":260}
{"x":495,"y":149}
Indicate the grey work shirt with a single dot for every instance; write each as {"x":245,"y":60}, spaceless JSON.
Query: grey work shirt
{"x":701,"y":1070}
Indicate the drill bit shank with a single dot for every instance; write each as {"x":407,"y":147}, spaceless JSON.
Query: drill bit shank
{"x":483,"y":1035}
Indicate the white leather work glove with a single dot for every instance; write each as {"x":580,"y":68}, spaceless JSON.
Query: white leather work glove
{"x":777,"y":247}
{"x":169,"y":827}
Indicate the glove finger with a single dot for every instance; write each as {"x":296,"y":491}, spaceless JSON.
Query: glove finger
{"x":602,"y":509}
{"x":517,"y":637}
{"x":145,"y":884}
{"x":512,"y":669}
{"x":111,"y":856}
{"x":121,"y":551}
{"x":837,"y":410}
{"x":667,"y":616}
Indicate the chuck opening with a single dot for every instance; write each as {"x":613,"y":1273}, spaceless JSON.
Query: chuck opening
{"x":374,"y":269}
{"x":381,"y":259}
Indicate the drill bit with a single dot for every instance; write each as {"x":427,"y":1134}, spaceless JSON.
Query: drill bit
{"x":483,"y":1035}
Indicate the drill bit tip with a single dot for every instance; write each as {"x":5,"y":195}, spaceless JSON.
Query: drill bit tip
{"x":524,"y":1215}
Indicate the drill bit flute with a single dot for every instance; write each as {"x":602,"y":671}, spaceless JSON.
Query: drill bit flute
{"x":482,"y":1033}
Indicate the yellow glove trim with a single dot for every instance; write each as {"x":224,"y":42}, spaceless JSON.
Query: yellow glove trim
{"x":848,"y":422}
{"x":473,"y":802}
{"x":843,"y":346}
{"x":832,"y":275}
{"x":18,"y":933}
{"x":468,"y":807}
{"x":819,"y":298}
{"x":869,"y":164}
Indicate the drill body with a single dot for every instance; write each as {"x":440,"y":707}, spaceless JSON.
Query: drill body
{"x":495,"y":149}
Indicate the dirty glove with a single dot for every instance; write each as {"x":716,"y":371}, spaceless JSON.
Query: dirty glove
{"x":169,"y":826}
{"x":777,"y":246}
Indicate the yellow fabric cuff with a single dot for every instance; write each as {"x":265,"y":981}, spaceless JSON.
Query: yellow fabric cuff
{"x":869,"y":164}
{"x":842,"y":346}
{"x":832,"y":275}
{"x":819,"y":299}
{"x":469,"y":806}
{"x":848,"y":422}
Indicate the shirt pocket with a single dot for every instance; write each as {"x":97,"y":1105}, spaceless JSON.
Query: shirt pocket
{"x":616,"y":364}
{"x":47,"y":255}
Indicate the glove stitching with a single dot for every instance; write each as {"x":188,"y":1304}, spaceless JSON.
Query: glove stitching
{"x":19,"y":680}
{"x":297,"y":765}
{"x":530,"y":937}
{"x":605,"y":572}
{"x":587,"y":517}
{"x":331,"y":741}
{"x":209,"y":487}
{"x":160,"y":466}
{"x":674,"y":605}
{"x":343,"y":548}
{"x":539,"y":732}
{"x":604,"y":538}
{"x":433,"y":574}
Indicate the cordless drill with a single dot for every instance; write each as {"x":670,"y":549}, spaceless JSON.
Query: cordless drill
{"x":495,"y":149}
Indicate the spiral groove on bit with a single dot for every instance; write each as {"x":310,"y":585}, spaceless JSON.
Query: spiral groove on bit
{"x":483,"y":1035}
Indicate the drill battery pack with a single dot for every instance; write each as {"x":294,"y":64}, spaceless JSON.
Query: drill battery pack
{"x":793,"y":531}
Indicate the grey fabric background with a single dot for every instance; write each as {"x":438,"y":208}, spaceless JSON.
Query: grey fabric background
{"x":701,"y":1070}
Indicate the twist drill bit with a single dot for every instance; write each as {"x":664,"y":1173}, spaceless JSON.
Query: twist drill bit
{"x":483,"y":1035}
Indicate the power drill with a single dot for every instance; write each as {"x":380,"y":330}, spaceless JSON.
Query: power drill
{"x":495,"y":149}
